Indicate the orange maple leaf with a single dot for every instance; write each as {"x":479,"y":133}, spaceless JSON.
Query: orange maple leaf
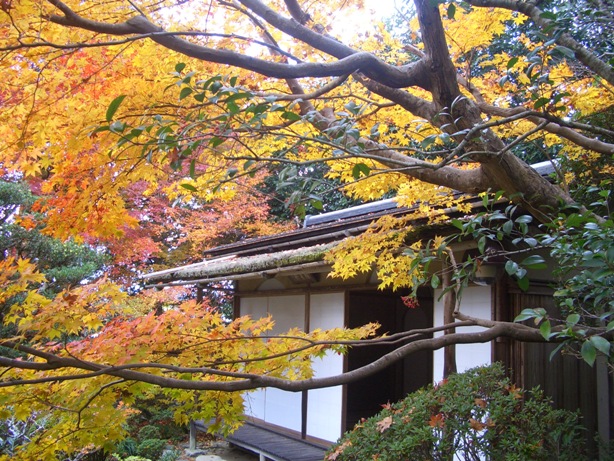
{"x":437,"y":420}
{"x":476,"y":425}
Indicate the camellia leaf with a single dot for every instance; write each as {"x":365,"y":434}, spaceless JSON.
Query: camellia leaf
{"x":360,"y":169}
{"x":113,"y":107}
{"x":545,"y":329}
{"x":189,"y":187}
{"x":573,"y":319}
{"x":601,"y":344}
{"x":523,"y":283}
{"x":588,"y":352}
{"x":451,"y":10}
{"x":534,"y":262}
{"x":526,"y":314}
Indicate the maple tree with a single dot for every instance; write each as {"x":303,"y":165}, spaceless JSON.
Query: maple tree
{"x":112,"y":104}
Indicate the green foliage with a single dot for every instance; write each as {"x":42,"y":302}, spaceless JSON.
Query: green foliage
{"x":63,"y":263}
{"x":127,"y":447}
{"x":474,"y":415}
{"x":13,"y":196}
{"x":170,"y":455}
{"x":151,"y":448}
{"x":581,"y":243}
{"x":576,"y":246}
{"x":300,"y":191}
{"x":149,"y":432}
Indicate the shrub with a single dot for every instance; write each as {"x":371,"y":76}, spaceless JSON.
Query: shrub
{"x":151,"y":448}
{"x":149,"y":432}
{"x":127,"y":447}
{"x":170,"y":455}
{"x":474,"y":415}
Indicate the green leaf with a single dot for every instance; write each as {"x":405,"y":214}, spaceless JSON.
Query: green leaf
{"x":526,"y":314}
{"x":545,"y":329}
{"x":113,"y":107}
{"x":565,"y":52}
{"x":193,"y":169}
{"x":451,"y":10}
{"x":548,"y":15}
{"x":511,"y":267}
{"x":588,"y":352}
{"x":534,"y":262}
{"x":610,"y":326}
{"x":512,"y":62}
{"x":185,"y":92}
{"x":507,"y":227}
{"x":317,"y":204}
{"x":458,"y":224}
{"x":435,"y":281}
{"x":100,"y":129}
{"x":600,"y":343}
{"x":426,"y":142}
{"x":360,"y":169}
{"x":117,"y":126}
{"x":556,"y":350}
{"x":482,"y":244}
{"x":525,"y":218}
{"x":541,"y":102}
{"x":523,"y":283}
{"x":572,"y":319}
{"x":293,"y":117}
{"x":179,"y":67}
{"x":189,"y":187}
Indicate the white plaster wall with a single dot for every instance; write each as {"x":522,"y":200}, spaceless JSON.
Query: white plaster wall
{"x":284,"y":408}
{"x":272,"y":405}
{"x":255,"y":402}
{"x":476,"y":301}
{"x":324,"y":407}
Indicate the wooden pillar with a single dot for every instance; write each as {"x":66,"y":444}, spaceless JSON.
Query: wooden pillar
{"x":603,"y":403}
{"x":193,"y":431}
{"x":199,"y":293}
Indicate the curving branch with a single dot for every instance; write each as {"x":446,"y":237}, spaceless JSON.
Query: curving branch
{"x":246,"y":381}
{"x":349,"y":60}
{"x":556,"y":126}
{"x":305,"y":96}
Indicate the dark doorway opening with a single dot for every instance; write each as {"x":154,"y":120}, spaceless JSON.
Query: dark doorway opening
{"x":366,"y":397}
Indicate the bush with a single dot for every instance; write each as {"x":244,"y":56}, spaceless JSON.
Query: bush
{"x":149,"y":432}
{"x":151,"y":448}
{"x":474,"y":415}
{"x":171,"y":455}
{"x":127,"y":447}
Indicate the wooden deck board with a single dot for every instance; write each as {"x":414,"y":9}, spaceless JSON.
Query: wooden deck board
{"x":273,"y":445}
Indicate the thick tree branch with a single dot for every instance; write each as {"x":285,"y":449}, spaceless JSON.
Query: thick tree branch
{"x":297,"y":12}
{"x":247,"y":381}
{"x":349,"y":60}
{"x":555,"y":127}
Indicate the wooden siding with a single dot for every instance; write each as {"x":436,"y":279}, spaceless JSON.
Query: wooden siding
{"x":568,"y":380}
